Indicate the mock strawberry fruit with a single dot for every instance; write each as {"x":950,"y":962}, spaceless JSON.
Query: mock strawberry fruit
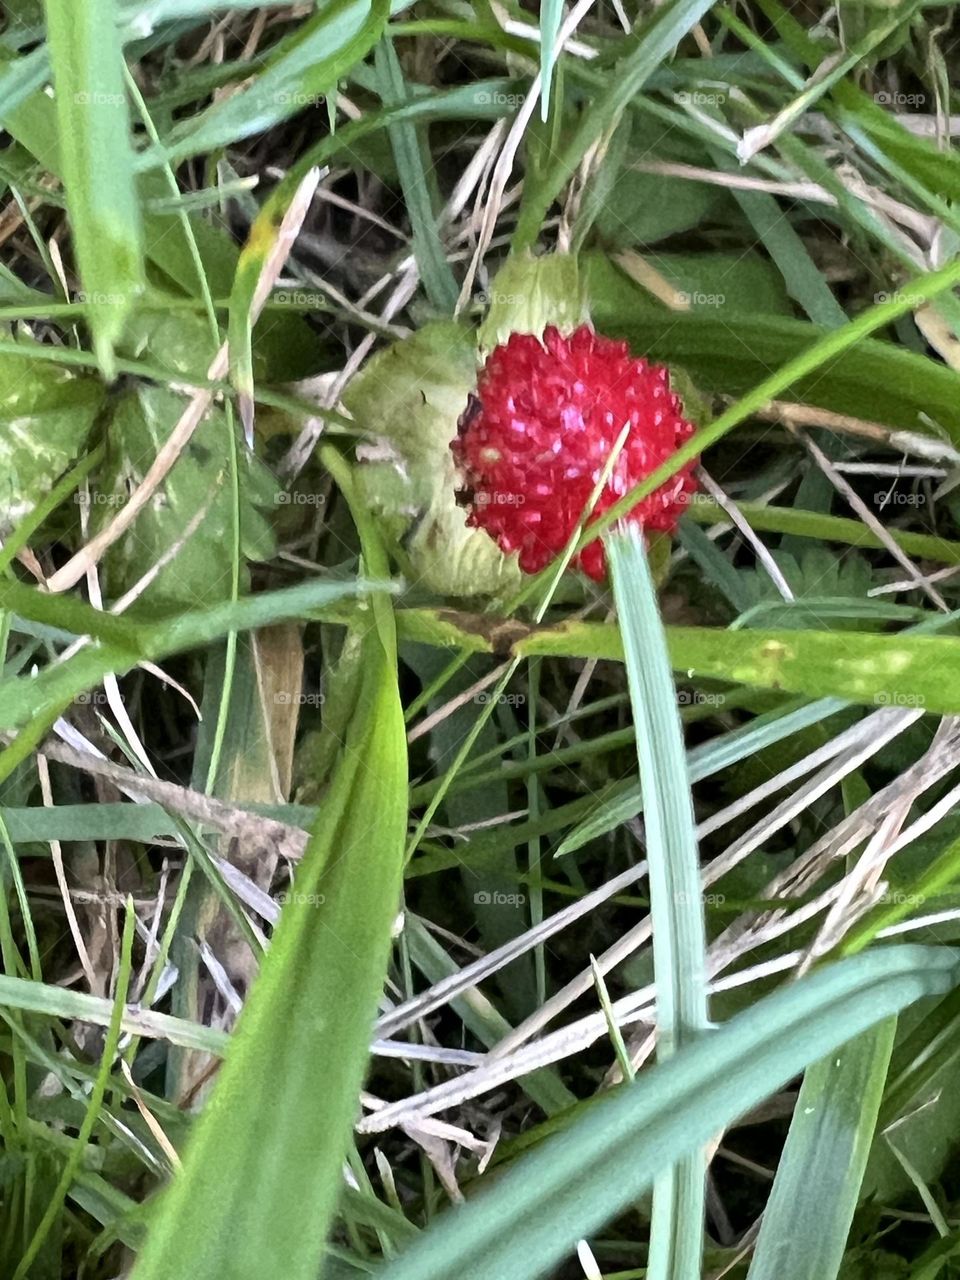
{"x":534,"y":440}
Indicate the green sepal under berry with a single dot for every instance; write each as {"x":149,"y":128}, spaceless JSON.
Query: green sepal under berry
{"x":406,"y":402}
{"x":528,"y":293}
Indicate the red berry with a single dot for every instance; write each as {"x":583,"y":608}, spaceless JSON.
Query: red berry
{"x":533,"y":441}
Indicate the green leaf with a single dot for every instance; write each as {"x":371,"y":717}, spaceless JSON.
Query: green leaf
{"x":815,"y":576}
{"x":576,"y":1181}
{"x":198,"y":482}
{"x":97,"y":158}
{"x":645,"y":208}
{"x":46,"y":414}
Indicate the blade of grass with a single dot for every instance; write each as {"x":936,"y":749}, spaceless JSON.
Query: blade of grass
{"x":679,"y":943}
{"x":58,"y":1002}
{"x":124,"y":642}
{"x":438,"y":281}
{"x":579,"y":1179}
{"x":283,"y":1109}
{"x":551,"y":14}
{"x":804,"y":1236}
{"x":92,"y":1113}
{"x":301,"y":71}
{"x":97,"y":158}
{"x":916,"y":670}
{"x":654,"y":42}
{"x":814,"y":524}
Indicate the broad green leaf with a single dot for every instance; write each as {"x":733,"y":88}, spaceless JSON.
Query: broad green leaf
{"x":646,"y":208}
{"x":408,"y":399}
{"x":97,"y":156}
{"x":199,"y":481}
{"x":46,"y":414}
{"x":578,"y":1180}
{"x":725,"y":285}
{"x":816,"y":575}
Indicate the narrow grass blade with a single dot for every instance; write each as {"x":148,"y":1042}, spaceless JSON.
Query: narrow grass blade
{"x":97,"y":1094}
{"x":679,"y":944}
{"x":551,"y":14}
{"x":916,"y":671}
{"x":438,"y":281}
{"x":278,"y":1126}
{"x":60,"y":1002}
{"x":802,"y":1235}
{"x":659,"y":36}
{"x":124,"y":642}
{"x":97,"y":159}
{"x":302,"y":71}
{"x":574,"y":1182}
